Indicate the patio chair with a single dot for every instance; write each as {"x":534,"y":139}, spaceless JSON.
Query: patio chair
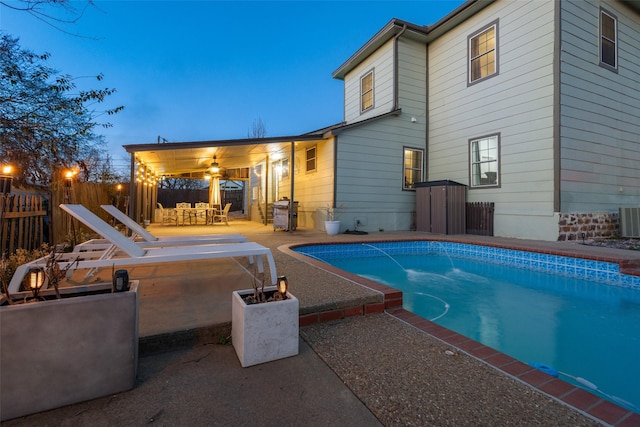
{"x":169,"y":215}
{"x":201,"y":212}
{"x":151,"y":240}
{"x":183,"y":210}
{"x":222,"y":215}
{"x":137,"y":255}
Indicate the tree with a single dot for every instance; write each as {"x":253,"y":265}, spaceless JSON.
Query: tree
{"x":258,"y":129}
{"x":43,"y":126}
{"x":38,"y":9}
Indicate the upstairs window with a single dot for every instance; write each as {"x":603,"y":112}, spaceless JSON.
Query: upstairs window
{"x":483,"y":53}
{"x":608,"y":40}
{"x":366,"y":92}
{"x":484,"y":161}
{"x":311,"y":159}
{"x":413,"y":167}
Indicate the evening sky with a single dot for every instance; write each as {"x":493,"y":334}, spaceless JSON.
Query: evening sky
{"x":205,"y":70}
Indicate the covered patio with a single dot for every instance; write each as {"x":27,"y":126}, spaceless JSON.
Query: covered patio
{"x":269,"y":168}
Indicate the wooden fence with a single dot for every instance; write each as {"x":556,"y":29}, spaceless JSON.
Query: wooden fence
{"x":28,"y":221}
{"x":23,"y":222}
{"x":90,"y":195}
{"x":480,"y":218}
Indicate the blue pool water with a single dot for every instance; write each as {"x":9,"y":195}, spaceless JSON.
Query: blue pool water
{"x":580,"y":317}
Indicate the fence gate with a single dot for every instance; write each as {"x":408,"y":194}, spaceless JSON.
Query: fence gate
{"x":480,"y":218}
{"x":22,"y":223}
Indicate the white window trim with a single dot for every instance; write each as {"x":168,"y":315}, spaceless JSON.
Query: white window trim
{"x":362,"y":109}
{"x":615,"y":42}
{"x":497,"y":161}
{"x":404,"y":168}
{"x":497,"y":60}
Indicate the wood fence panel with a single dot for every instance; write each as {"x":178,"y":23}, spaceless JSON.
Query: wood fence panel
{"x":480,"y":218}
{"x":22,"y":222}
{"x":90,"y":195}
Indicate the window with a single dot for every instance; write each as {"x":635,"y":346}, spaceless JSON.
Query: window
{"x":311,"y":159}
{"x":483,"y":53}
{"x":484,"y":161}
{"x":366,"y":92}
{"x":413,"y":167}
{"x":608,"y":40}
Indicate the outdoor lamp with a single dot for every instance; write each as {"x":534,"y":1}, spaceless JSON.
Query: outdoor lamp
{"x":36,"y":280}
{"x":215,"y":167}
{"x":282,"y":286}
{"x":5,"y":179}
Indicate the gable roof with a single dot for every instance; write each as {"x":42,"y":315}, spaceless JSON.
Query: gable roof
{"x":426,"y":33}
{"x":417,"y":32}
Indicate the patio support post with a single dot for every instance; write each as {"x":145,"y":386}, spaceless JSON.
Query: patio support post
{"x":266,"y":195}
{"x":292,"y":168}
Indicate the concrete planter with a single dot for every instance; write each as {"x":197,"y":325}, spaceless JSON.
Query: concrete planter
{"x":332,"y":227}
{"x":264,"y":332}
{"x":63,"y":351}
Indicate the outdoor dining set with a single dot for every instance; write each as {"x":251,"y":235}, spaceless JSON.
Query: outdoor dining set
{"x":198,"y":213}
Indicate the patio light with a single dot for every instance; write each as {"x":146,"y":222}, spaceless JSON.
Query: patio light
{"x":5,"y":179}
{"x":283,"y":285}
{"x":36,"y":280}
{"x":215,"y":167}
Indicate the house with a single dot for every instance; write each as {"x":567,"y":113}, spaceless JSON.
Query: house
{"x":533,"y":105}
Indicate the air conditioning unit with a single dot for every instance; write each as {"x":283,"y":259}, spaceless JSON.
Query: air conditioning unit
{"x":630,"y":222}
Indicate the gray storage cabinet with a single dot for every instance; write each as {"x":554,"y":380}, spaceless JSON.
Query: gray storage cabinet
{"x":440,"y":207}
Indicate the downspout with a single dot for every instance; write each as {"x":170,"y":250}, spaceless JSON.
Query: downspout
{"x":335,"y":171}
{"x":426,"y":116}
{"x":395,"y":68}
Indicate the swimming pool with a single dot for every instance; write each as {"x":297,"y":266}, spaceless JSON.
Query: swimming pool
{"x":580,"y":317}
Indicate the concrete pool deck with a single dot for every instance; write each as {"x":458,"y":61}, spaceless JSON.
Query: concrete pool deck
{"x":352,"y":369}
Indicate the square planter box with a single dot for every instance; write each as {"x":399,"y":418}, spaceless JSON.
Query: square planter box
{"x":264,"y":332}
{"x":63,"y":351}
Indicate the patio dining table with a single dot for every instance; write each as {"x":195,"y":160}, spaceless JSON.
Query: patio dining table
{"x":189,"y":213}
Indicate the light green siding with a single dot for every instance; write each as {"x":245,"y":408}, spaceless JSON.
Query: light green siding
{"x":517,"y":104}
{"x":369,"y":173}
{"x":381,"y":62}
{"x":599,"y":111}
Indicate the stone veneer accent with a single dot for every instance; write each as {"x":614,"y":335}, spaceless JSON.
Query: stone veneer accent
{"x":595,"y":224}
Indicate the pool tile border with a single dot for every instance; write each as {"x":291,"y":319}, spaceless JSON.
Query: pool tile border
{"x":563,"y":391}
{"x":571,"y":395}
{"x":614,"y":272}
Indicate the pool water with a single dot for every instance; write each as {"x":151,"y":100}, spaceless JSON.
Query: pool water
{"x":587,"y":330}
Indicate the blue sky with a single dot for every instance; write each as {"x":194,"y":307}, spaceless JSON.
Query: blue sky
{"x":205,"y":70}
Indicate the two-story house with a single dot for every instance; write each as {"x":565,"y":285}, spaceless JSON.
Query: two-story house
{"x":532,"y":105}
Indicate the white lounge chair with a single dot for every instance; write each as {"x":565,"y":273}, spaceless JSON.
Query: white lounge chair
{"x":137,"y":255}
{"x":151,"y":240}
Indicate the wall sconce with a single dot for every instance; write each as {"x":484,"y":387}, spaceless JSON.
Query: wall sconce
{"x":36,"y":280}
{"x":283,"y":285}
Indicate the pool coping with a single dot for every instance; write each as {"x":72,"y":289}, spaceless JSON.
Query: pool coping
{"x":573,"y":396}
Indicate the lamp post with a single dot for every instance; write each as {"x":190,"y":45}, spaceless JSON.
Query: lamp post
{"x":6,"y":178}
{"x":68,"y":192}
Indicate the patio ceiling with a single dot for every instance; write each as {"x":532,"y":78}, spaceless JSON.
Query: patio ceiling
{"x":183,"y":158}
